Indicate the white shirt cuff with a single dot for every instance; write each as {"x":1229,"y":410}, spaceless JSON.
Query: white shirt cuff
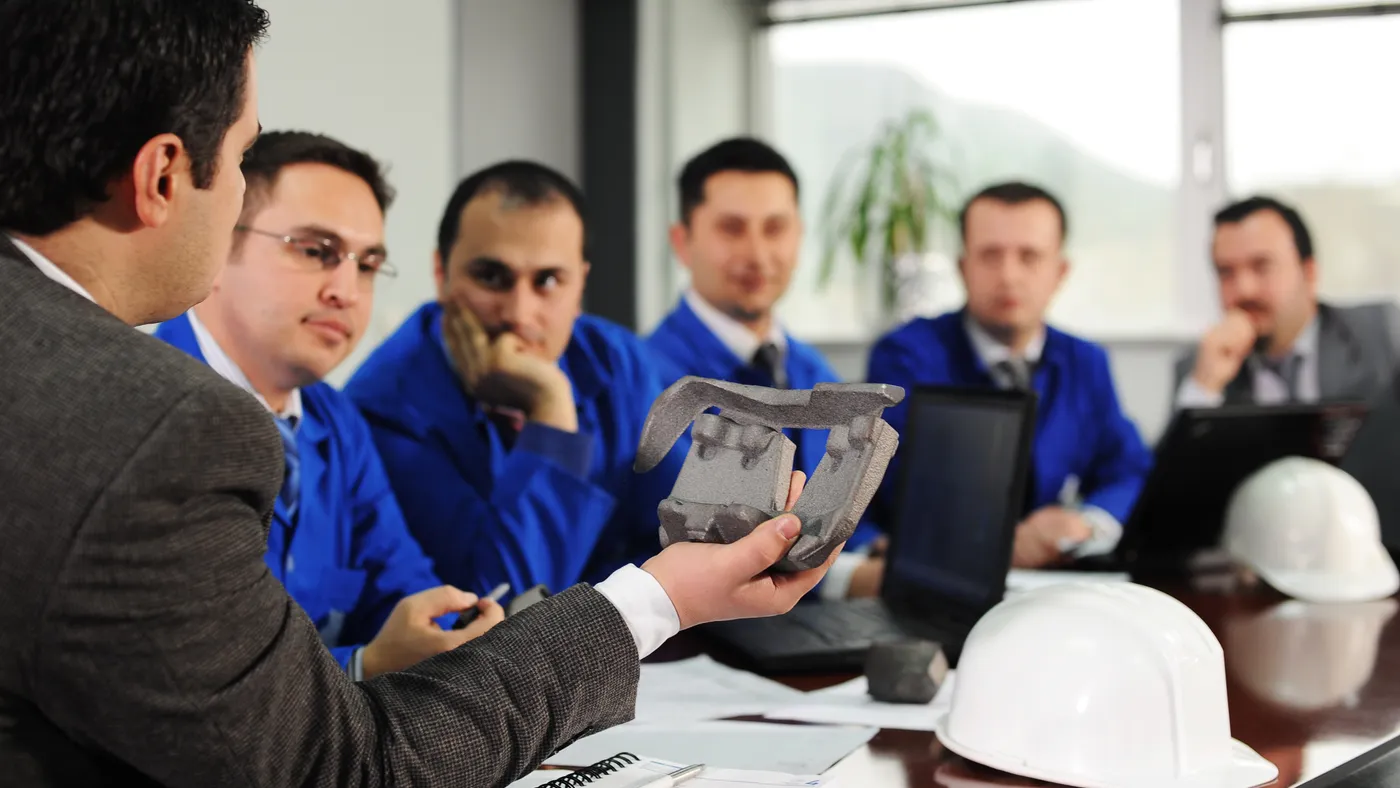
{"x":1193,"y":395}
{"x":1106,"y":533}
{"x":644,"y":605}
{"x":837,"y":583}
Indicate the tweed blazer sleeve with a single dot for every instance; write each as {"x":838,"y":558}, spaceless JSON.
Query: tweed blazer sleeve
{"x":166,"y":642}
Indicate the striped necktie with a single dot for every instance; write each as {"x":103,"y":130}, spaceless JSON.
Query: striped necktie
{"x":1016,"y":373}
{"x":290,"y":495}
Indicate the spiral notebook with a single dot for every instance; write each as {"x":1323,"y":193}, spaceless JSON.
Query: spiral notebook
{"x":626,"y":770}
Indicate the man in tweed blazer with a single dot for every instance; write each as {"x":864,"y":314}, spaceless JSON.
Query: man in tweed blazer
{"x":142,"y":638}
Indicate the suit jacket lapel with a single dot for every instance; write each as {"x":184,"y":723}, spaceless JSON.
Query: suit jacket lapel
{"x":1340,"y":367}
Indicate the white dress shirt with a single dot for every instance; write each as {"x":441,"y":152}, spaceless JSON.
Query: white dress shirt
{"x":735,"y":335}
{"x":1270,"y":388}
{"x":1105,"y":528}
{"x":219,"y":361}
{"x":639,"y":597}
{"x":744,"y":343}
{"x":47,"y":268}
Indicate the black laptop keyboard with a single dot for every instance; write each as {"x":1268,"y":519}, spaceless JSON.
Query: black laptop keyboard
{"x":841,"y":630}
{"x":856,"y":622}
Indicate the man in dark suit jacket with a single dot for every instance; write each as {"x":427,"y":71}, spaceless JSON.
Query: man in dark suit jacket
{"x":1277,"y":343}
{"x":142,"y":638}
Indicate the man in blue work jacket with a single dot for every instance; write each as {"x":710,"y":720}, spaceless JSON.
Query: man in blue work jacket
{"x":507,"y":420}
{"x":739,"y":234}
{"x":1088,"y":460}
{"x":290,"y":305}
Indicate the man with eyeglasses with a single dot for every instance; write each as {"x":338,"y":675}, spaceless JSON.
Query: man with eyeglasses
{"x":290,"y":305}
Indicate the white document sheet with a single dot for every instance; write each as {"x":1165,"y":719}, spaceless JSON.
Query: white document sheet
{"x":850,"y":704}
{"x":703,"y":689}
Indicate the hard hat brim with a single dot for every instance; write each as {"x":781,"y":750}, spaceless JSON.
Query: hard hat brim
{"x":1246,"y":768}
{"x":1381,"y":580}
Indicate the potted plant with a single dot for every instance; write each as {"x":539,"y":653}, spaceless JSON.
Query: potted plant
{"x":889,"y":205}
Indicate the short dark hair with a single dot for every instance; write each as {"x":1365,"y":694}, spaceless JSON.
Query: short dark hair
{"x":1236,"y":212}
{"x":276,"y":150}
{"x":88,"y":82}
{"x":1014,"y":193}
{"x":523,"y":182}
{"x":736,"y":154}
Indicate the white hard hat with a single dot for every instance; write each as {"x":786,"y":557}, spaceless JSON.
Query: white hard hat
{"x":1098,"y":685}
{"x":1306,"y":656}
{"x":1311,"y":531}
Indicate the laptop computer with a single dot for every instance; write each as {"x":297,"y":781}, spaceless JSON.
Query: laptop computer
{"x":1203,"y":456}
{"x":965,"y":459}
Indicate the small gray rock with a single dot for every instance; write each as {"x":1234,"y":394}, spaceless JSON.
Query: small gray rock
{"x":905,"y":671}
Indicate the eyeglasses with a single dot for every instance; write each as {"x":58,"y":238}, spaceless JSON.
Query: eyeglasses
{"x":328,"y":254}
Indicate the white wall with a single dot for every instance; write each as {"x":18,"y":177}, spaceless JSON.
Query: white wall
{"x":518,"y":82}
{"x":377,"y":78}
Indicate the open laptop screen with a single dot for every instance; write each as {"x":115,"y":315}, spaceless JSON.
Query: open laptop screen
{"x":964,"y":458}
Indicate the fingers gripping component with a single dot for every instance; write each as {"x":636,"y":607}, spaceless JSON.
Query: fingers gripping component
{"x":739,"y":467}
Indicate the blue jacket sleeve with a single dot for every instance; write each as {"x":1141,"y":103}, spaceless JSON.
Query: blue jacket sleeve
{"x":380,"y":543}
{"x":638,"y":521}
{"x":1121,"y":459}
{"x":539,"y":524}
{"x":342,"y":655}
{"x":890,"y":362}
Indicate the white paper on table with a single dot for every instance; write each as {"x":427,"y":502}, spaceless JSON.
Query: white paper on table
{"x":724,"y":744}
{"x":1031,"y":579}
{"x":850,"y":704}
{"x":703,"y":689}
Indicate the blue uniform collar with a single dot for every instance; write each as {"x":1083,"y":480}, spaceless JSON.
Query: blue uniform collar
{"x":1053,"y":355}
{"x":179,"y":333}
{"x":711,"y":353}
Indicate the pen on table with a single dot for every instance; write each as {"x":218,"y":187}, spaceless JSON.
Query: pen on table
{"x":467,"y":616}
{"x":675,"y":778}
{"x":1069,"y":499}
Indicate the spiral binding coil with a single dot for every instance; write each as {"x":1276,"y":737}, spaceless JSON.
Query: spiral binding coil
{"x":597,"y":771}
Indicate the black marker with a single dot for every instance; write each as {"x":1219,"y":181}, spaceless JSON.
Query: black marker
{"x":468,"y":616}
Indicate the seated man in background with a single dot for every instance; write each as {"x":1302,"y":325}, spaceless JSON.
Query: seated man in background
{"x":739,"y":234}
{"x":290,"y":305}
{"x":1276,"y":342}
{"x":507,"y":420}
{"x":1088,"y":460}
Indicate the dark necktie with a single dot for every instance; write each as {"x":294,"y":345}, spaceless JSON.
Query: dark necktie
{"x":509,"y":422}
{"x":768,"y":360}
{"x":1287,"y":369}
{"x":290,"y":495}
{"x":1017,"y":372}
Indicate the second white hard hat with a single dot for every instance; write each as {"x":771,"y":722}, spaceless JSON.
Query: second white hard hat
{"x":1098,"y":685}
{"x":1311,"y":531}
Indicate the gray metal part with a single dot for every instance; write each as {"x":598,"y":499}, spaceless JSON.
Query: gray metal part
{"x":738,"y":472}
{"x":820,"y":407}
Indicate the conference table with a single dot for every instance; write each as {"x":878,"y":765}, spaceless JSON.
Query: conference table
{"x":1310,"y":687}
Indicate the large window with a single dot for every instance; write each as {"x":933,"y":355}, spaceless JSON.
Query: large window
{"x":1311,"y":117}
{"x":1081,"y":96}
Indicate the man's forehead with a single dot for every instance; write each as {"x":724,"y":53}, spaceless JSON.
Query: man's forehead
{"x":321,"y":199}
